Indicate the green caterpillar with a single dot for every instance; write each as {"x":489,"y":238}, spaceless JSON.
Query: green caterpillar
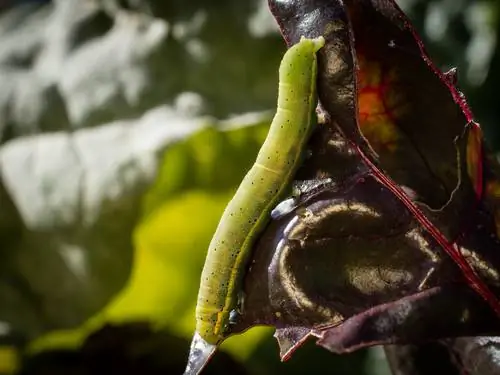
{"x":261,"y":189}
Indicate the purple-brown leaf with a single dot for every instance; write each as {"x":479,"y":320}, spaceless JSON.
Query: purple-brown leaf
{"x":401,"y":245}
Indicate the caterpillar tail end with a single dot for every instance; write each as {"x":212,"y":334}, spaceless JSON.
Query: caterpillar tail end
{"x":199,"y":355}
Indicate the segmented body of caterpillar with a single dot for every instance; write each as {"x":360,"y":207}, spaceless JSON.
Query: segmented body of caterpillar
{"x":261,"y":189}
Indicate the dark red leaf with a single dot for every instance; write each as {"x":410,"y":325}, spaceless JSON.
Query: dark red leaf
{"x":374,"y":83}
{"x":401,"y":245}
{"x":353,"y":267}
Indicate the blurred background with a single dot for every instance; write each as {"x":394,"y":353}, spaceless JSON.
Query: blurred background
{"x":125,"y":126}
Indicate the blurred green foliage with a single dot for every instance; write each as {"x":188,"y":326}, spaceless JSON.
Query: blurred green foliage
{"x":238,"y":73}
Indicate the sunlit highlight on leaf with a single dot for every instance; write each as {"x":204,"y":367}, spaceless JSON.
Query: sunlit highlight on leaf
{"x":377,"y":112}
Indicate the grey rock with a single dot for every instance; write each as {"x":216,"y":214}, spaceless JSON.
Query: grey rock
{"x":111,"y":66}
{"x":55,"y":80}
{"x":74,"y":200}
{"x":72,"y":175}
{"x":80,"y":63}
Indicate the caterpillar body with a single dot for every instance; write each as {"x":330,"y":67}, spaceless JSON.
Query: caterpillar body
{"x":260,"y":190}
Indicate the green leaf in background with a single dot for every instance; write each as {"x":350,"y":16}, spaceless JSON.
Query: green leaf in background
{"x":196,"y":179}
{"x":9,"y":359}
